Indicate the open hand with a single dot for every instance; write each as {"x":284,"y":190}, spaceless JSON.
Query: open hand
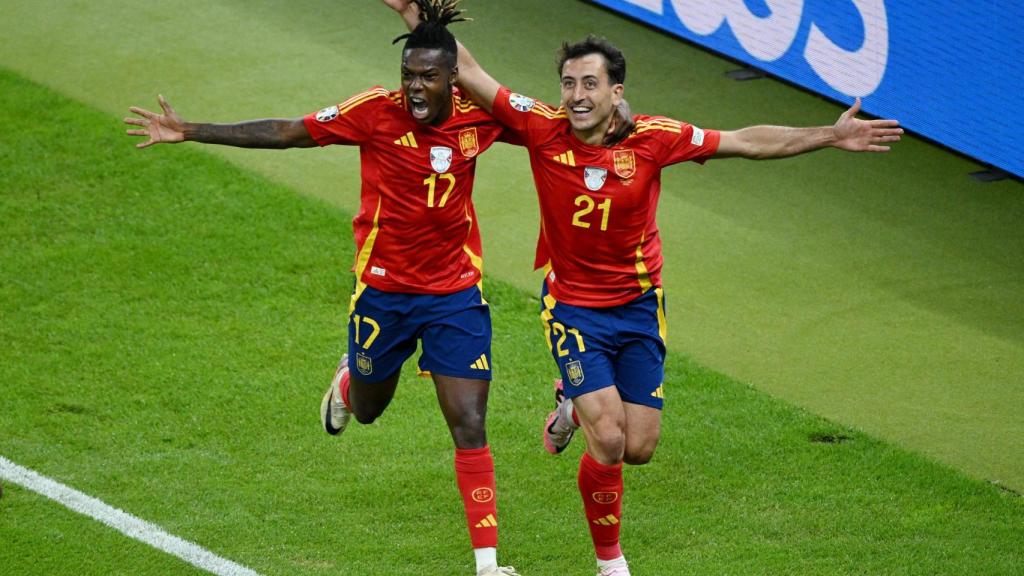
{"x":858,"y":135}
{"x":160,"y":128}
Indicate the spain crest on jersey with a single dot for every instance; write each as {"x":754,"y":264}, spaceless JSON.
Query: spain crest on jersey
{"x":574,"y":370}
{"x":440,"y":158}
{"x":468,"y":142}
{"x":625,"y":163}
{"x":594,"y":178}
{"x":364,"y":364}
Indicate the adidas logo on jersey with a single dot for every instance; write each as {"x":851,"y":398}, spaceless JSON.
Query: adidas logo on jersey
{"x":481,"y":363}
{"x":408,"y":141}
{"x":566,"y":158}
{"x":609,"y":520}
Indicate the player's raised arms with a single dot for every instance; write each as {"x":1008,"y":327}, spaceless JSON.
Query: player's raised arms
{"x":169,"y":128}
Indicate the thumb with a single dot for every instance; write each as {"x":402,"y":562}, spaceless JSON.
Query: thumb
{"x":853,"y":109}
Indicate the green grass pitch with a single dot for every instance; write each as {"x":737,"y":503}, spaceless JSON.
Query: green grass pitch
{"x":882,"y":292}
{"x":169,"y":322}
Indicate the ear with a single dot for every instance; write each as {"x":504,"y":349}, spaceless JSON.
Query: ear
{"x":617,"y":91}
{"x":453,"y":78}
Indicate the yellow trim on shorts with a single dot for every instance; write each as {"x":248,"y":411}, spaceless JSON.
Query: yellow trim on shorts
{"x":662,"y":320}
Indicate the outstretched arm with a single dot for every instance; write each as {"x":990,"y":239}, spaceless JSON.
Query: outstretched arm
{"x":169,"y":128}
{"x":848,"y":133}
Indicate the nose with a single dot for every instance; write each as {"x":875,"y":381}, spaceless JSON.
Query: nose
{"x":577,"y":93}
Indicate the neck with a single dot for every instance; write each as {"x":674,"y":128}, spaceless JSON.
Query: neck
{"x":594,"y":136}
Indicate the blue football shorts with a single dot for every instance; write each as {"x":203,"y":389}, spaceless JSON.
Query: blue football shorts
{"x":455,"y":331}
{"x":621,"y":346}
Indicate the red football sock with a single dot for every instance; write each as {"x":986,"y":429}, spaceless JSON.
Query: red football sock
{"x":474,"y":472}
{"x":601,"y":488}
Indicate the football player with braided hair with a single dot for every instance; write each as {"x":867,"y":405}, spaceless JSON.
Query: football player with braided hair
{"x":418,"y":261}
{"x":602,"y":300}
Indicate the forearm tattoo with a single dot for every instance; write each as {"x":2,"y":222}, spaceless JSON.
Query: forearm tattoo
{"x":253,"y":134}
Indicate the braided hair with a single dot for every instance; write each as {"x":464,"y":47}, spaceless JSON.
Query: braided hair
{"x":432,"y":31}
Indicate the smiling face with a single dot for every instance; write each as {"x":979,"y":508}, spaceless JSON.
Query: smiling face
{"x":427,"y":80}
{"x":588,"y":95}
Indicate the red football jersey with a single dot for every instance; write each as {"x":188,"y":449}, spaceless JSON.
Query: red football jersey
{"x":597,"y":204}
{"x":416,"y":230}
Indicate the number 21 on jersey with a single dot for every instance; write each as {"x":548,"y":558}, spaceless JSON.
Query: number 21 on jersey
{"x":587,"y":205}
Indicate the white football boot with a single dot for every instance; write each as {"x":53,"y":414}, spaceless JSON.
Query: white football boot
{"x":498,"y":571}
{"x":333,"y":413}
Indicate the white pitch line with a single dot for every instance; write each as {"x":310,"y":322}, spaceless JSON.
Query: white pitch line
{"x":121,"y":521}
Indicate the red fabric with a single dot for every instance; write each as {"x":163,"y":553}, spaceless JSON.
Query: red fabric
{"x":405,"y":240}
{"x":474,"y":473}
{"x":601,"y":489}
{"x":598,"y":205}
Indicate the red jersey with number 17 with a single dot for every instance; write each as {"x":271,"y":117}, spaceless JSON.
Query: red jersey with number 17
{"x":416,"y":230}
{"x":597,"y":204}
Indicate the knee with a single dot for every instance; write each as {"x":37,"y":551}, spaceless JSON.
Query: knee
{"x":608,"y":442}
{"x":470,"y":431}
{"x":638,"y":457}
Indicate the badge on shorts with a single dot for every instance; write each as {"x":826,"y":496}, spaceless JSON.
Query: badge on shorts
{"x":327,"y":114}
{"x":574,"y":370}
{"x":468,"y":143}
{"x":440,"y":159}
{"x":594,"y":178}
{"x":364,"y":364}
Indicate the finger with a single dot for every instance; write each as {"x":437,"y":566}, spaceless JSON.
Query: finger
{"x":142,"y":112}
{"x":886,"y":139}
{"x":884,"y":123}
{"x":874,"y":148}
{"x":137,"y":132}
{"x":888,"y":132}
{"x":167,"y":107}
{"x":149,"y":142}
{"x":134,"y":121}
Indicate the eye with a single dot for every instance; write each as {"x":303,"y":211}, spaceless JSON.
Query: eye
{"x":591,"y":84}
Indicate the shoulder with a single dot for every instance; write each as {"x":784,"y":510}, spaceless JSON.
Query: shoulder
{"x":372,"y":98}
{"x":657,"y":124}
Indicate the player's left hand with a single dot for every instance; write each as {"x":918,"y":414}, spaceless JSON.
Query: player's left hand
{"x":858,"y":135}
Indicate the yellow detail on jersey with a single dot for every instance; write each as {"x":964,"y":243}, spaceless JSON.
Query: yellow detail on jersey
{"x":665,"y":125}
{"x":363,"y":258}
{"x":488,"y":522}
{"x":542,"y":109}
{"x":659,"y":393}
{"x":408,"y":141}
{"x":358,"y":99}
{"x":609,"y":520}
{"x":641,"y":269}
{"x":566,"y":158}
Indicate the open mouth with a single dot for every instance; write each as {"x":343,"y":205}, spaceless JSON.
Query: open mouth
{"x":418,"y":107}
{"x":581,"y":112}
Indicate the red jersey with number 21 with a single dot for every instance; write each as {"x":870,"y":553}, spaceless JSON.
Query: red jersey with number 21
{"x":598,"y":204}
{"x":416,"y":230}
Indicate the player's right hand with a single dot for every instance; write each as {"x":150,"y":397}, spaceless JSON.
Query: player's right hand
{"x":160,"y":128}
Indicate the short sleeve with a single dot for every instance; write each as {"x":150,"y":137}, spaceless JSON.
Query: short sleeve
{"x":681,"y":142}
{"x":351,"y":122}
{"x":521,"y":115}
